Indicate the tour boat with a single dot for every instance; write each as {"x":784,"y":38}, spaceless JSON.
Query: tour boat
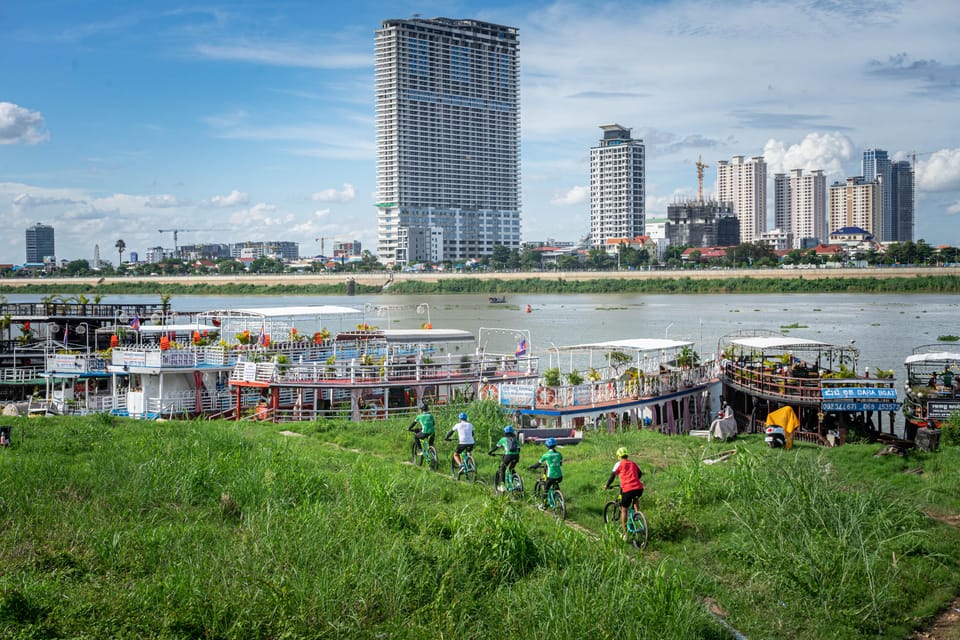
{"x":931,"y":389}
{"x":763,"y":371}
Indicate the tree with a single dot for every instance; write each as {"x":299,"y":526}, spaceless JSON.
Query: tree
{"x":499,"y":256}
{"x":531,"y":260}
{"x":77,"y":268}
{"x":121,"y":247}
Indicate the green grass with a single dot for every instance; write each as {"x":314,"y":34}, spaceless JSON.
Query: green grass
{"x":230,"y":530}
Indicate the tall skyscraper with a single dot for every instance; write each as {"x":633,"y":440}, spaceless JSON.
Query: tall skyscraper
{"x":858,"y":203}
{"x":743,"y":184}
{"x":800,"y":206}
{"x":902,"y":200}
{"x":40,"y":243}
{"x":876,"y":164}
{"x":617,"y":186}
{"x":448,"y":136}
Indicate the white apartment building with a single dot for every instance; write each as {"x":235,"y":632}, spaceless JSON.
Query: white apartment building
{"x":743,"y":184}
{"x":617,"y":186}
{"x":800,"y":206}
{"x":858,"y":203}
{"x":448,"y":135}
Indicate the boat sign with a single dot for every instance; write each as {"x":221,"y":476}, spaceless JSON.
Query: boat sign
{"x":856,"y":393}
{"x":518,"y":395}
{"x":941,"y":409}
{"x":860,"y":406}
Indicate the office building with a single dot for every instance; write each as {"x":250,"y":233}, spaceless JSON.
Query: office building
{"x":856,"y":203}
{"x":276,"y":249}
{"x":876,"y":165}
{"x":696,"y":223}
{"x":448,"y":135}
{"x":617,"y":179}
{"x":40,"y":244}
{"x":902,"y":196}
{"x":800,"y":206}
{"x":743,"y":184}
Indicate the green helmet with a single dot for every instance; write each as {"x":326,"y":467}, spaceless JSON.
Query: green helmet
{"x":622,"y":452}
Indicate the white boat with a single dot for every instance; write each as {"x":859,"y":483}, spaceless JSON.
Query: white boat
{"x":931,"y":389}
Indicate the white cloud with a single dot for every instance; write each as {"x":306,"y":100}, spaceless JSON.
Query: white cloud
{"x":286,"y":55}
{"x":232,"y":199}
{"x":332,"y":195}
{"x":941,"y":172}
{"x":830,"y":152}
{"x":954,"y":208}
{"x":322,"y":213}
{"x":163,"y":201}
{"x":19,"y":125}
{"x":26,"y":201}
{"x":259,"y":215}
{"x":575,"y":195}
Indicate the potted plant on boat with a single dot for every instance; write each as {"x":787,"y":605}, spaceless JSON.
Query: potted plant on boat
{"x":574,"y":378}
{"x":687,"y":358}
{"x":617,"y":359}
{"x":551,"y":377}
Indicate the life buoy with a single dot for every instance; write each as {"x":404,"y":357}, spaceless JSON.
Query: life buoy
{"x":488,"y":392}
{"x":546,"y":395}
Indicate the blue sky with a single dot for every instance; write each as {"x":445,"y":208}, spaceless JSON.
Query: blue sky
{"x":257,"y":119}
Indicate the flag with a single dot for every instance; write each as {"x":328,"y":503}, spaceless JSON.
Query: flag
{"x":521,"y":349}
{"x":135,"y":323}
{"x":262,"y":338}
{"x":66,"y":332}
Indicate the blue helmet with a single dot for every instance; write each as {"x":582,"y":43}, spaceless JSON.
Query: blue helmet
{"x":462,"y":416}
{"x":508,"y":429}
{"x":550,"y":442}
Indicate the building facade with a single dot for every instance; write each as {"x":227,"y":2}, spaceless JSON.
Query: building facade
{"x":902,"y":195}
{"x":856,"y":203}
{"x":800,"y":206}
{"x":41,"y":244}
{"x":279,"y":249}
{"x":702,"y":224}
{"x":448,"y":134}
{"x":876,"y":165}
{"x":743,"y":184}
{"x":617,"y":186}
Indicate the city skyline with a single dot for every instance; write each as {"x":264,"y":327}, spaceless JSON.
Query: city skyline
{"x":118,"y":121}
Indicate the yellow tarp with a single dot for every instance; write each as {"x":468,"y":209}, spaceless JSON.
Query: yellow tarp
{"x":786,"y":418}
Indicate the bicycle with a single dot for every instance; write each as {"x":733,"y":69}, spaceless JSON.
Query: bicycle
{"x":424,"y":452}
{"x":467,"y":466}
{"x":512,"y":483}
{"x":638,"y":532}
{"x":555,"y":500}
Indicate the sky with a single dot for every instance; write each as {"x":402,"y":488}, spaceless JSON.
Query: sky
{"x":255,"y":120}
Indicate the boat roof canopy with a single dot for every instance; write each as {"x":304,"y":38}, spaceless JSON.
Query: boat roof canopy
{"x":940,"y":357}
{"x":286,"y":312}
{"x":629,"y":344}
{"x":420,"y":336}
{"x":777,"y":342}
{"x":175,"y":328}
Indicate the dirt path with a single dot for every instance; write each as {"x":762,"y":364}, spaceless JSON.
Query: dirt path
{"x":945,"y":626}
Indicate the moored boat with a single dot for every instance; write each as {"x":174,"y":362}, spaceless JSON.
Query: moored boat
{"x":931,"y":389}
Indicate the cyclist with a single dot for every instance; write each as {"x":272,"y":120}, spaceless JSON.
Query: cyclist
{"x":464,"y":431}
{"x":552,"y":460}
{"x":423,"y":428}
{"x":511,"y":454}
{"x":631,"y":488}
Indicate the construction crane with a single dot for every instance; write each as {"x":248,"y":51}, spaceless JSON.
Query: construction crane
{"x":321,"y":240}
{"x":176,"y":232}
{"x":700,"y":167}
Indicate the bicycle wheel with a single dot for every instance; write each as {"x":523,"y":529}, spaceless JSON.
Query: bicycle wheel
{"x":538,"y":491}
{"x":471,"y":468}
{"x":517,"y":485}
{"x":417,"y":453}
{"x":611,"y":512}
{"x":432,"y":459}
{"x":454,"y":469}
{"x":559,"y":505}
{"x":643,"y":531}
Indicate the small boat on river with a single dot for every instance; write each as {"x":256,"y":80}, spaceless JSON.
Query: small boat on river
{"x":932,"y":388}
{"x":763,"y":371}
{"x":497,"y":299}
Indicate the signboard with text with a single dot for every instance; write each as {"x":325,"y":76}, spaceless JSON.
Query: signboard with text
{"x":517,"y":395}
{"x":856,"y":393}
{"x":860,"y":406}
{"x":941,"y":409}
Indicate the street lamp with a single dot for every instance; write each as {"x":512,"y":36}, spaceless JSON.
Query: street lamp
{"x":422,"y":308}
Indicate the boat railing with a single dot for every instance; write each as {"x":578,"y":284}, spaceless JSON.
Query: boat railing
{"x":20,"y":374}
{"x":782,"y":382}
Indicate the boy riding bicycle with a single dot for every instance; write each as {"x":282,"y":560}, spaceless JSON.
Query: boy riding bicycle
{"x":464,"y":431}
{"x":423,"y":428}
{"x":511,"y":454}
{"x":553,"y":461}
{"x":631,"y":488}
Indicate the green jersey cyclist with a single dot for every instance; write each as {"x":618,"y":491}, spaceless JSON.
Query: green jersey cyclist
{"x":553,"y":461}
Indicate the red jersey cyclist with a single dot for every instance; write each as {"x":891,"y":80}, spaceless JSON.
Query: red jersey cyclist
{"x":631,"y":488}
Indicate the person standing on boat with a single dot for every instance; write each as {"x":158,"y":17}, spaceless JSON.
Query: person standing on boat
{"x":423,"y":427}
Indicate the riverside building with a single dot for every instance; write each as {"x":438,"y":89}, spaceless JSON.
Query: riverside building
{"x":617,"y":186}
{"x":856,"y":203}
{"x":743,"y":184}
{"x":41,"y":246}
{"x":800,"y":206}
{"x":448,"y":139}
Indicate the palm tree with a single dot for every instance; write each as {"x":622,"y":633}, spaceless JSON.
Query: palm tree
{"x":121,"y":247}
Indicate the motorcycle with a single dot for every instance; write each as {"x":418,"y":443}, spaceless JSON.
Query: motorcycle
{"x":776,"y":437}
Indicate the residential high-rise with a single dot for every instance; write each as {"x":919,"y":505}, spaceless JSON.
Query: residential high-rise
{"x":617,"y":186}
{"x":448,"y":136}
{"x":902,"y":200}
{"x":40,"y":244}
{"x":800,"y":206}
{"x":743,"y":184}
{"x":857,"y":203}
{"x":876,"y":164}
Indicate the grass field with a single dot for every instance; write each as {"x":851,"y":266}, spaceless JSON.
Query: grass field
{"x":123,"y":529}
